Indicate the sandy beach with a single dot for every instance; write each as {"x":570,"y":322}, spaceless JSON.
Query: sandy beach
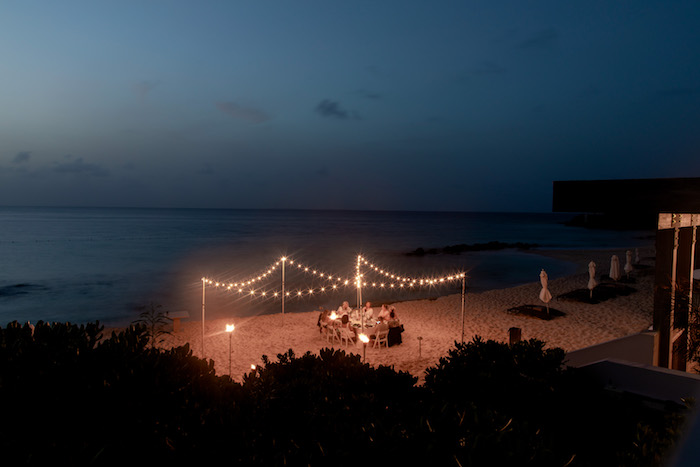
{"x":432,"y":326}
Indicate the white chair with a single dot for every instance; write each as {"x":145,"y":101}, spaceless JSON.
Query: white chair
{"x":332,"y":334}
{"x":381,"y":336}
{"x":346,"y":336}
{"x":327,"y":332}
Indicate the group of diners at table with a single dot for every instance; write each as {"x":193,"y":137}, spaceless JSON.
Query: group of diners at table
{"x":346,"y":325}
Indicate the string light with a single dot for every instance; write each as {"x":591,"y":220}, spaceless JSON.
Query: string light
{"x":335,"y":280}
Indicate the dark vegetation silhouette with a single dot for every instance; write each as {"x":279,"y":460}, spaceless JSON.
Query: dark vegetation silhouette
{"x":156,"y":322}
{"x":72,"y":396}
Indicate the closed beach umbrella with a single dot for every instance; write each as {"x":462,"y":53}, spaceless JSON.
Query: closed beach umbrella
{"x":615,"y":268}
{"x":591,"y":277}
{"x":545,"y":294}
{"x":628,"y":263}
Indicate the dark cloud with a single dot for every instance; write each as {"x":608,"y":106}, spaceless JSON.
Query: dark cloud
{"x":331,"y":109}
{"x":78,"y":167}
{"x":369,"y":94}
{"x":243,"y":113}
{"x":541,"y":40}
{"x":489,"y":68}
{"x":21,"y":157}
{"x":143,"y":88}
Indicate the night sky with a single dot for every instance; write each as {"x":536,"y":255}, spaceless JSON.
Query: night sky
{"x":388,"y":105}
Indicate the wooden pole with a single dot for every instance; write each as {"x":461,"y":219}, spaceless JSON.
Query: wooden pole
{"x":674,"y":264}
{"x":283,"y":295}
{"x":204,"y":286}
{"x":464,"y":284}
{"x":691,"y":317}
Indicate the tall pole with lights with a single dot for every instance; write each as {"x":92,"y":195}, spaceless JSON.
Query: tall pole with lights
{"x":283,"y":261}
{"x":204,"y":287}
{"x":464,"y":286}
{"x":359,"y":282}
{"x":229,"y":330}
{"x":358,"y":278}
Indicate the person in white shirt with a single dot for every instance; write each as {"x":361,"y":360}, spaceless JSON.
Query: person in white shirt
{"x":344,"y":309}
{"x":383,"y":313}
{"x":368,"y":312}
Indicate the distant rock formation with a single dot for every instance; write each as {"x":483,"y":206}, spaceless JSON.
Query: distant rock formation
{"x":461,"y":248}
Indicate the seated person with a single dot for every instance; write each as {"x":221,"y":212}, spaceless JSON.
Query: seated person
{"x":393,"y":320}
{"x":368,"y":312}
{"x":383,"y":314}
{"x":323,"y":319}
{"x":344,"y":309}
{"x":395,"y":330}
{"x":345,"y":321}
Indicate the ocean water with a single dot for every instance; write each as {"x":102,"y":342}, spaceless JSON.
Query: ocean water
{"x":87,"y":264}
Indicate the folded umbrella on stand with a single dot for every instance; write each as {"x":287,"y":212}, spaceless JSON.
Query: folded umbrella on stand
{"x":628,"y":263}
{"x":545,"y":294}
{"x":615,"y":268}
{"x":591,"y":277}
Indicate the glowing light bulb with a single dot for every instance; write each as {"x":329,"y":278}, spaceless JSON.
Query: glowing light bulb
{"x":230,"y":327}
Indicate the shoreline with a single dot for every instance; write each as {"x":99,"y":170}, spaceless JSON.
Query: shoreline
{"x":438,"y":321}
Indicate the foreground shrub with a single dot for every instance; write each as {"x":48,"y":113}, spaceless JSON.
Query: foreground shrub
{"x":68,"y":396}
{"x":498,"y":404}
{"x":71,"y":396}
{"x":329,"y":409}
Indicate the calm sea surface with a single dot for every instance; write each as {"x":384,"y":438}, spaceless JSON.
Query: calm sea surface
{"x":87,"y":264}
